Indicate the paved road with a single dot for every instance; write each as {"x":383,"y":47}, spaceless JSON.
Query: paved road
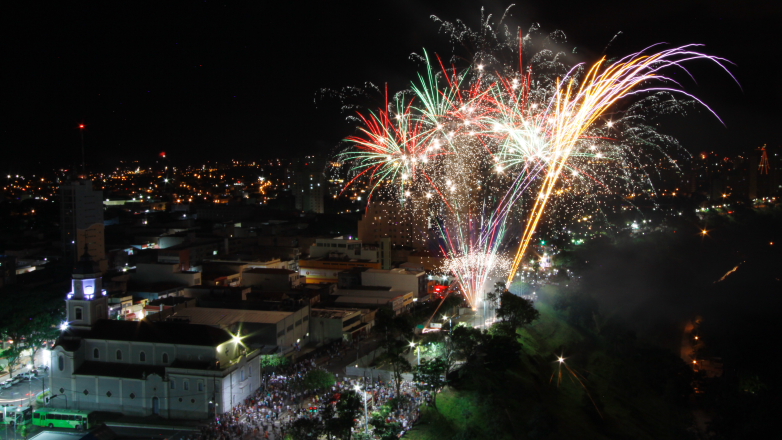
{"x":151,"y":433}
{"x":23,"y":392}
{"x":124,"y":432}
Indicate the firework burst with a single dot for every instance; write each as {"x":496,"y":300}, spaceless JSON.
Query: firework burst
{"x":489,"y":150}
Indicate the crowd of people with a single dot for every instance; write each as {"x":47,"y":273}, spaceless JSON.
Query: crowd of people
{"x":269,"y":413}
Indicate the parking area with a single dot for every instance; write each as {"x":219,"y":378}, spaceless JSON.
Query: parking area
{"x":21,"y":388}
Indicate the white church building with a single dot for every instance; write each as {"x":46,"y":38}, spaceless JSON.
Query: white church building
{"x":173,"y":369}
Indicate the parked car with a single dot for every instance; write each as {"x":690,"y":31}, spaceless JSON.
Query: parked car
{"x":6,"y":384}
{"x":16,"y":379}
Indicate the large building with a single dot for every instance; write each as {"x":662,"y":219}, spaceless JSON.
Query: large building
{"x":329,"y":256}
{"x":171,"y":369}
{"x":81,"y":222}
{"x":387,"y":220}
{"x":309,"y":184}
{"x":398,"y":279}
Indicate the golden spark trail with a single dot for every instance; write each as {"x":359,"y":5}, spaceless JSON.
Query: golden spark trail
{"x":574,"y":114}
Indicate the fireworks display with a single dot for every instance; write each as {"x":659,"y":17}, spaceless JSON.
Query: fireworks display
{"x":490,"y":149}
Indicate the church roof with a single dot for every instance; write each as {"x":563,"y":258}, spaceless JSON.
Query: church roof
{"x":161,"y":332}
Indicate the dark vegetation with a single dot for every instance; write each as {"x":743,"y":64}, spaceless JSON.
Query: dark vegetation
{"x":618,"y":325}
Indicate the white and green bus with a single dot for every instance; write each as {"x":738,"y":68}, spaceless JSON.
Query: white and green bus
{"x":16,"y":415}
{"x":63,"y":418}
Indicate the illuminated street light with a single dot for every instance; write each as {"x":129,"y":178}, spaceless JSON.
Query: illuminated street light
{"x":418,"y":351}
{"x":366,"y":413}
{"x":64,"y":326}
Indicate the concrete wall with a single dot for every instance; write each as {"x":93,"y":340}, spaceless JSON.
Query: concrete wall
{"x":181,"y":394}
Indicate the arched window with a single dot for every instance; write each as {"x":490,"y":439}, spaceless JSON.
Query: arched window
{"x":165,"y":358}
{"x":77,"y":312}
{"x":119,"y":355}
{"x":142,"y":357}
{"x":95,"y":353}
{"x":61,"y":363}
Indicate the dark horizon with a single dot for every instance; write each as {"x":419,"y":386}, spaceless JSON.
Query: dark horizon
{"x":207,"y":81}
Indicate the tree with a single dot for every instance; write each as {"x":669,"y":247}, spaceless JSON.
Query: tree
{"x":41,"y":329}
{"x":440,"y":345}
{"x":465,"y":341}
{"x":318,"y":380}
{"x":12,"y":354}
{"x":396,"y":330}
{"x":394,"y":355}
{"x":430,"y":376}
{"x":515,"y":312}
{"x":305,"y":429}
{"x":340,"y":422}
{"x":13,"y":334}
{"x":385,"y":430}
{"x":28,"y":320}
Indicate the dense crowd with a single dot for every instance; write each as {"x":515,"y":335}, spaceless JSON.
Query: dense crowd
{"x":279,"y":402}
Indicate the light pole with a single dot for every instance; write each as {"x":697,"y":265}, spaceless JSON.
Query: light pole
{"x":450,"y":323}
{"x":366,"y":413}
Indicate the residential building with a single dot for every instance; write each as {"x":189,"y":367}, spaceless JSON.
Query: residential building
{"x":309,"y":185}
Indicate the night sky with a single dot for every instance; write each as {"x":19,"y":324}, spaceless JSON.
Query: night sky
{"x":206,"y":80}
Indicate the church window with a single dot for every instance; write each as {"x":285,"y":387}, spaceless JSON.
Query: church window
{"x":165,"y":358}
{"x":78,"y":313}
{"x":186,"y":384}
{"x":96,"y":353}
{"x":119,"y":355}
{"x":61,"y":363}
{"x":142,"y":357}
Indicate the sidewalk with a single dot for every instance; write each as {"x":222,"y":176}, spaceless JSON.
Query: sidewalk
{"x":156,"y":422}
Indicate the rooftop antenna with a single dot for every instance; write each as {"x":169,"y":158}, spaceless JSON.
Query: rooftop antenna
{"x":83,"y":166}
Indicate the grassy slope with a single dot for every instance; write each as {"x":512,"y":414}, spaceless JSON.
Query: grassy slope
{"x":529,"y":404}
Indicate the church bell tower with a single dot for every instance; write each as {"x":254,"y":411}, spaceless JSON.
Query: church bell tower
{"x":87,"y":301}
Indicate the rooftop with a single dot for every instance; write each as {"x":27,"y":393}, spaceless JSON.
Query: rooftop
{"x":160,"y":332}
{"x":260,"y":270}
{"x":229,"y":317}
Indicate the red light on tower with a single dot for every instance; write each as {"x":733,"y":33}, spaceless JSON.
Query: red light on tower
{"x":163,"y":154}
{"x":81,"y":125}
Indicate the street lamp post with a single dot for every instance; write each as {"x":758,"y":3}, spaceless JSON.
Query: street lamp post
{"x":418,"y":351}
{"x":366,"y":412}
{"x":450,"y":322}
